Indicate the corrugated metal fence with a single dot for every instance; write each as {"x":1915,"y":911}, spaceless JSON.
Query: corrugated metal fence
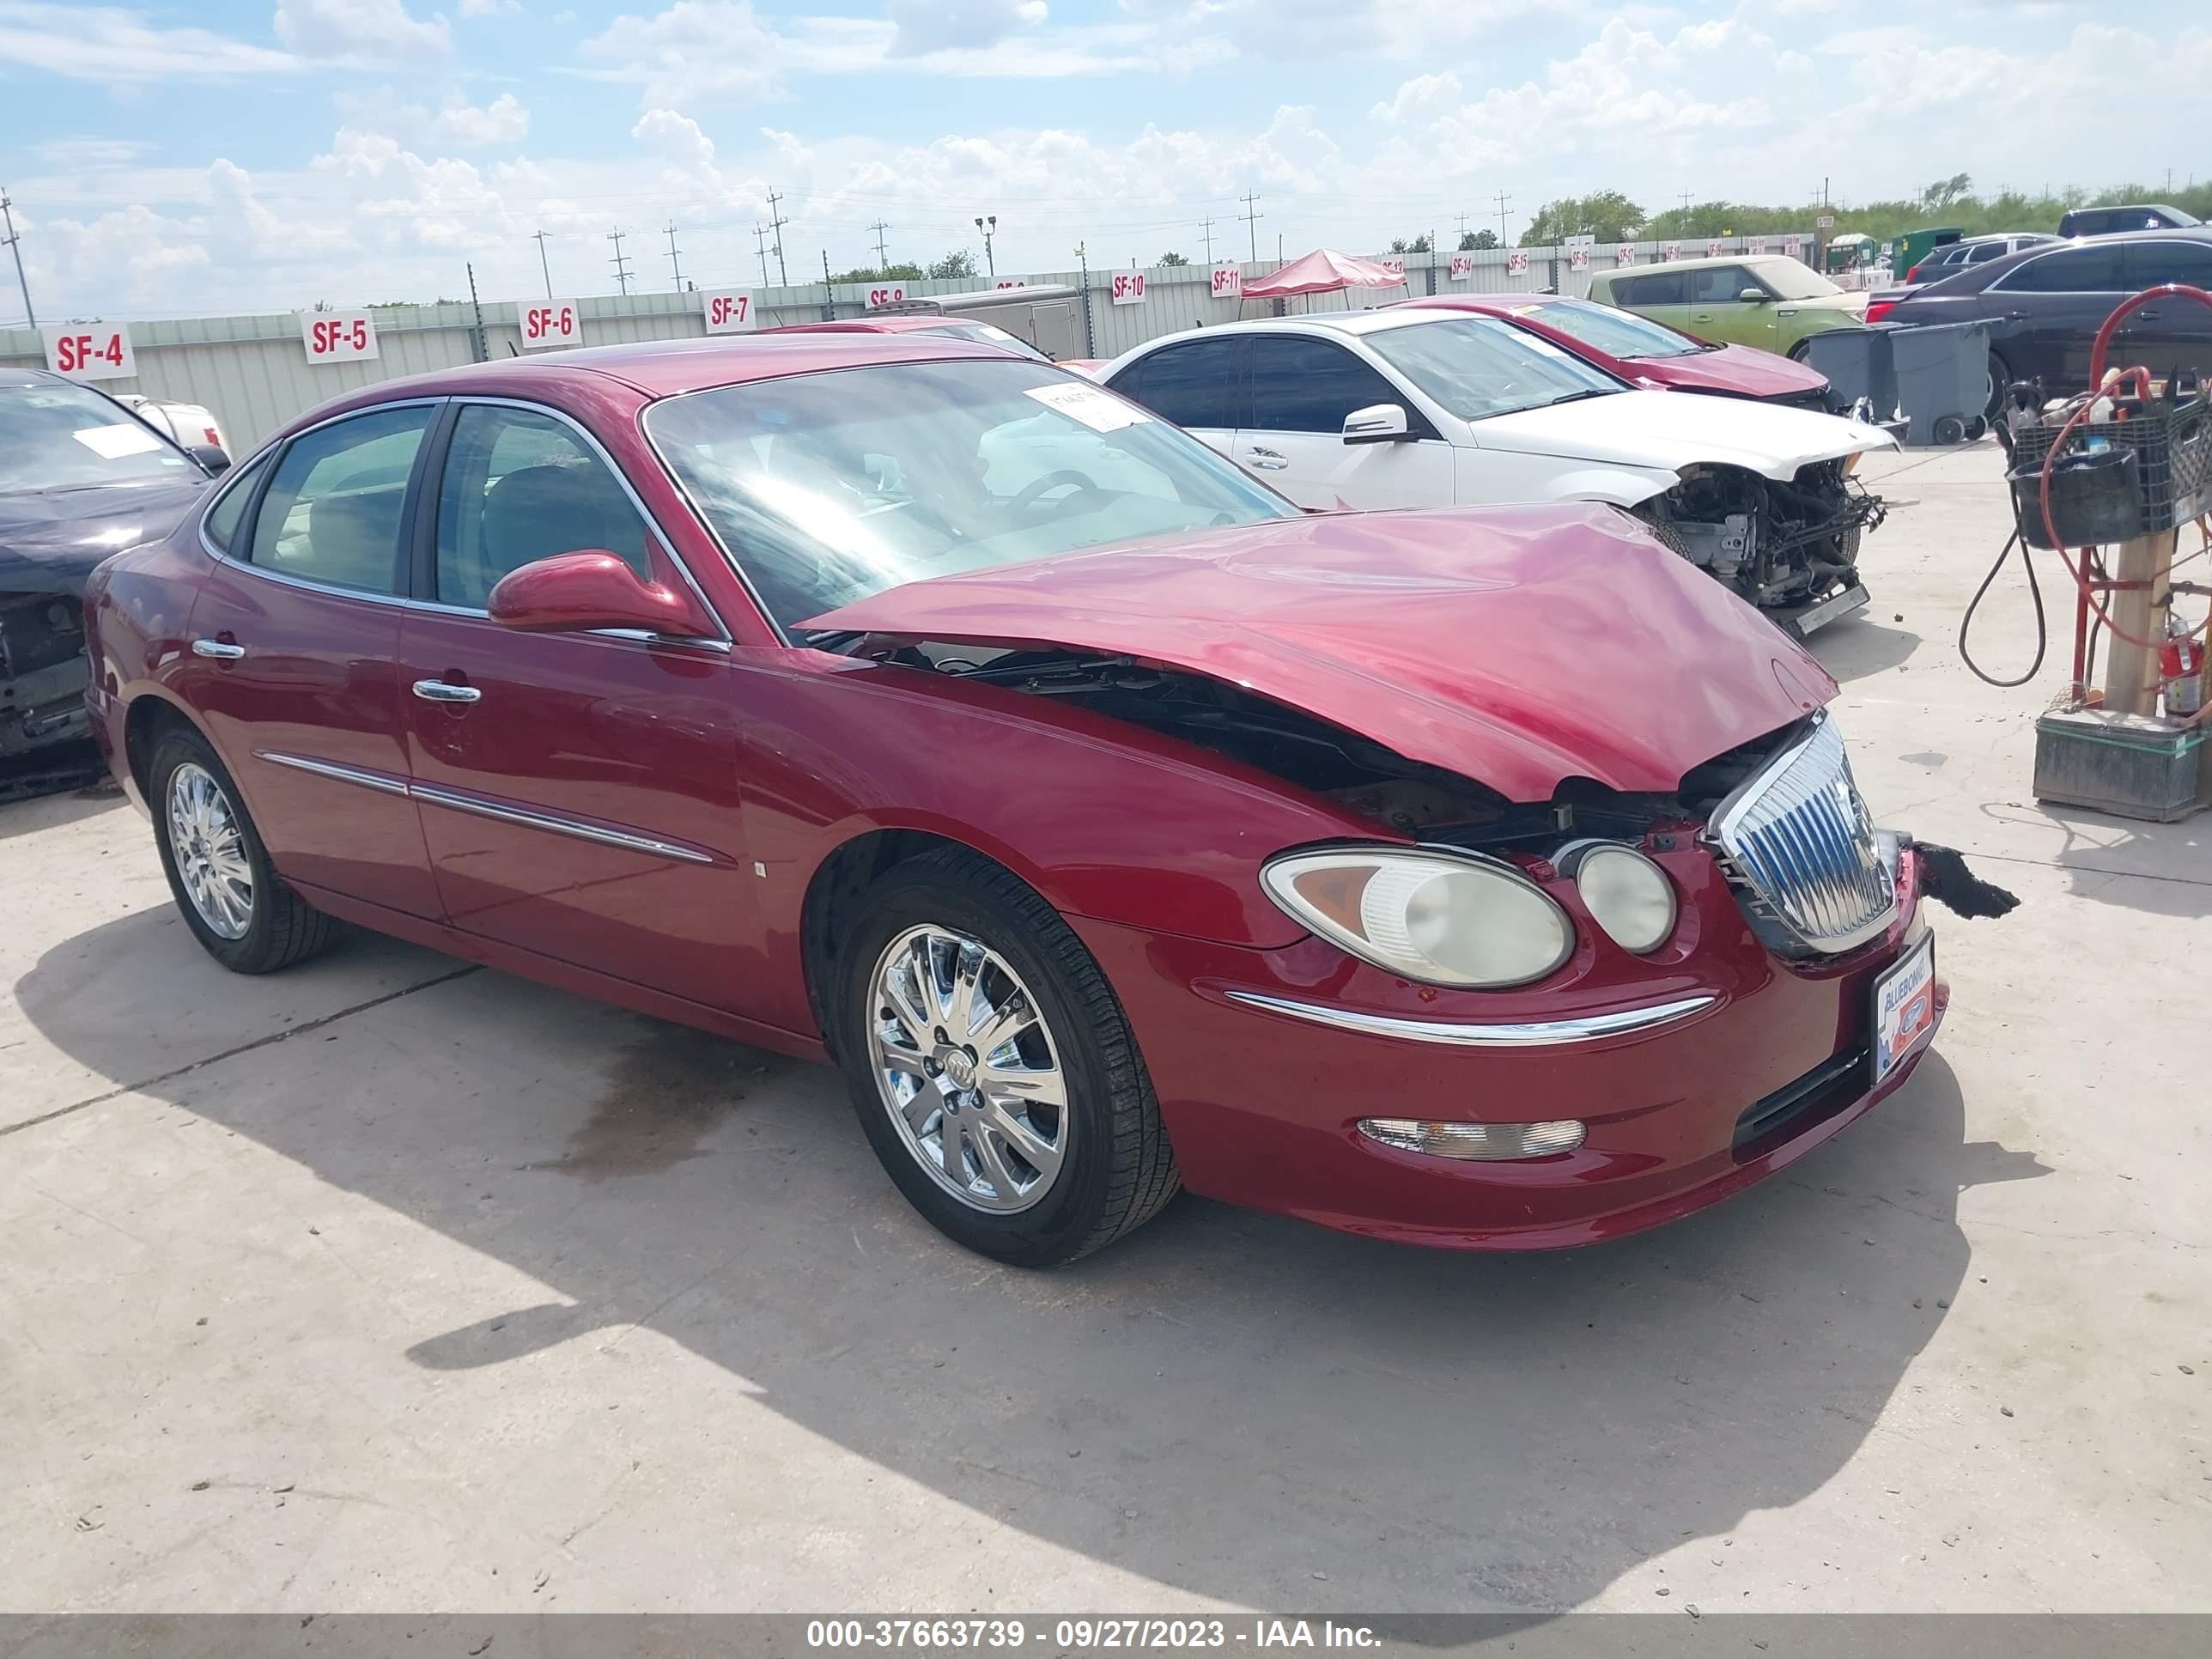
{"x":254,"y":373}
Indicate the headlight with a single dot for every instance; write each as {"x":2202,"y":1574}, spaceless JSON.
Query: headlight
{"x":1443,"y":918}
{"x":1629,"y":895}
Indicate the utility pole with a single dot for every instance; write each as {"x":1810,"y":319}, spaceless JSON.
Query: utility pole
{"x":760,"y":247}
{"x":542,"y":265}
{"x":1462,"y":226}
{"x":15,"y":247}
{"x":1205,"y":229}
{"x":989,"y":227}
{"x":620,"y":264}
{"x":883,"y":254}
{"x":775,"y":224}
{"x":1503,"y":201}
{"x":675,"y":255}
{"x":1251,"y":217}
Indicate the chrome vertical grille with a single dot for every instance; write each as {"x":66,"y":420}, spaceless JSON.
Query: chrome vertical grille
{"x":1796,"y":837}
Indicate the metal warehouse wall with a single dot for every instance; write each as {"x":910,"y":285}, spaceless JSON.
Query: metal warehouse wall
{"x":254,"y":373}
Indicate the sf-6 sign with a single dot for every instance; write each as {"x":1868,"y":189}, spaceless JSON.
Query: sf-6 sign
{"x":1129,"y":287}
{"x":553,"y":322}
{"x":728,"y":312}
{"x":90,"y":351}
{"x":338,"y":336}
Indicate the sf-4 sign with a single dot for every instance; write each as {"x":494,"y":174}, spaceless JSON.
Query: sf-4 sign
{"x":90,"y":351}
{"x":1129,"y":287}
{"x":880,"y":297}
{"x":728,"y":311}
{"x":338,"y":336}
{"x":549,"y":324}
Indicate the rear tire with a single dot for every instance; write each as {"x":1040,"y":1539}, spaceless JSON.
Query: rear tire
{"x":1033,"y":1180}
{"x":237,"y":907}
{"x":2000,"y":377}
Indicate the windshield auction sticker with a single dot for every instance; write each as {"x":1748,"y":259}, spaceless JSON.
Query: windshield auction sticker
{"x":1099,"y":410}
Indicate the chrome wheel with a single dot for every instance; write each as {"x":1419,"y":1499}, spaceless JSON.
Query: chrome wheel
{"x":968,"y":1069}
{"x":210,"y":849}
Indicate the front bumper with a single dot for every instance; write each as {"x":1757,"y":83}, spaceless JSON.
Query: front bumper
{"x":1262,"y":1103}
{"x":43,"y":675}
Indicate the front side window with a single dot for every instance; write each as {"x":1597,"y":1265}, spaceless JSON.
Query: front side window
{"x":1479,"y":366}
{"x":2149,"y":264}
{"x":2094,"y":269}
{"x":335,"y":506}
{"x":826,"y":487}
{"x":1718,"y":285}
{"x":1616,"y":333}
{"x":57,"y":435}
{"x":1192,"y":385}
{"x":220,"y":524}
{"x":1304,"y":385}
{"x":520,"y":486}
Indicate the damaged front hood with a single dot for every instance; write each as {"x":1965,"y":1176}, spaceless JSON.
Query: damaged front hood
{"x":51,"y":539}
{"x":1656,"y":430}
{"x":1518,"y":647}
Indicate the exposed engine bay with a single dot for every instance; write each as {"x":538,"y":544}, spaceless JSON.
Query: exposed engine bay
{"x":1791,"y":549}
{"x":42,"y":670}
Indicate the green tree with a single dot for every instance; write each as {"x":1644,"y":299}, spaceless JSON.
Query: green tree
{"x":1171,"y":257}
{"x":1418,"y":245}
{"x":897,"y":273}
{"x":1470,"y":240}
{"x":1605,"y":214}
{"x":959,"y":263}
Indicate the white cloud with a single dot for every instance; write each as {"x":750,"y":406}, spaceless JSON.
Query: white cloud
{"x":503,"y":121}
{"x":365,"y":31}
{"x":694,"y":50}
{"x":117,"y":46}
{"x":489,"y":8}
{"x":926,"y":26}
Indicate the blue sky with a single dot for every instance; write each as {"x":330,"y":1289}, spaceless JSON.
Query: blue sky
{"x":231,"y":156}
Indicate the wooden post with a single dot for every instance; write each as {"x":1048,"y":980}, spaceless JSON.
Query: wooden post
{"x":2130,"y":670}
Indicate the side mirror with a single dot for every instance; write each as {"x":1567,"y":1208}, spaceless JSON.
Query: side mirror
{"x":1753,"y":297}
{"x":1378,"y":423}
{"x":211,"y":456}
{"x":572,"y":593}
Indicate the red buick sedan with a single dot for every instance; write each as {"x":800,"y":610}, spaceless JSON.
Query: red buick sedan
{"x":1486,"y":878}
{"x":1645,"y":353}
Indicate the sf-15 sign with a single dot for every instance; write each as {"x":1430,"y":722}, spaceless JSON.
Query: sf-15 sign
{"x":90,"y":351}
{"x":338,"y":336}
{"x":728,"y":311}
{"x":552,"y":324}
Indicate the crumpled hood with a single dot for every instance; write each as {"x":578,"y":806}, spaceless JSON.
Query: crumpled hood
{"x":1746,"y":371}
{"x":1515,"y":646}
{"x":51,"y":539}
{"x":1657,"y":431}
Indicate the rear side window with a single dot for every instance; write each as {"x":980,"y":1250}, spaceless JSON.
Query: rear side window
{"x":220,"y":524}
{"x":335,"y":506}
{"x":1311,"y":386}
{"x":1670,"y":288}
{"x":2149,"y":264}
{"x":1191,"y":385}
{"x":2094,"y":269}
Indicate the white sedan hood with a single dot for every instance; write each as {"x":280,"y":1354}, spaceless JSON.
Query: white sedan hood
{"x":1670,"y":430}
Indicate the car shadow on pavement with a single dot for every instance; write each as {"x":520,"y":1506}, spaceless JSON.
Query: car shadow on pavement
{"x":1854,"y":650}
{"x":1233,"y":1404}
{"x":2134,"y":863}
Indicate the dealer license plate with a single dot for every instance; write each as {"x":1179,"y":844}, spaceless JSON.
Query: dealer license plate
{"x":1904,"y":1007}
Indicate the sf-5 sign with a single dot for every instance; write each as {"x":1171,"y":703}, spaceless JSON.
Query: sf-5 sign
{"x":554,"y":323}
{"x":338,"y":336}
{"x":728,"y":311}
{"x":90,"y":351}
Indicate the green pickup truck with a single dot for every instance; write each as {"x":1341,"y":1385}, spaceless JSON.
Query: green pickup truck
{"x":1764,"y":299}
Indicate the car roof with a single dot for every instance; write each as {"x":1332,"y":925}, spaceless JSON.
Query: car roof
{"x":1974,"y":278}
{"x":1494,"y":304}
{"x":1354,"y":323}
{"x":17,"y":377}
{"x":905,"y":324}
{"x":1701,"y":263}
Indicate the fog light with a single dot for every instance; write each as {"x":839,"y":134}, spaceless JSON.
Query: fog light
{"x":1488,"y":1143}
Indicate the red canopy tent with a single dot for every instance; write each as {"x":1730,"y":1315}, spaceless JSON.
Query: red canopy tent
{"x":1322,"y":271}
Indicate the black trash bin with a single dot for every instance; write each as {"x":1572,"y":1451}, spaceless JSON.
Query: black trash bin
{"x":1943,"y":380}
{"x":1858,"y":363}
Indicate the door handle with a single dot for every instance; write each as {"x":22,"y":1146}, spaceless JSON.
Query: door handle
{"x":1265,"y":461}
{"x":221,"y":649}
{"x":447,"y":692}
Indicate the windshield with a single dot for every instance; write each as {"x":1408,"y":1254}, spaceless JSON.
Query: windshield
{"x":57,"y":436}
{"x":1478,"y":366}
{"x":1617,"y":333}
{"x":989,"y":334}
{"x":827,"y":488}
{"x":1793,"y":280}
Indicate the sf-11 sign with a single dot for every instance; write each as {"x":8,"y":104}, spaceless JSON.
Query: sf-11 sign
{"x":338,"y":336}
{"x":892,"y":296}
{"x":1229,"y":282}
{"x":549,"y":325}
{"x":90,"y":351}
{"x":1129,"y":287}
{"x":728,"y":311}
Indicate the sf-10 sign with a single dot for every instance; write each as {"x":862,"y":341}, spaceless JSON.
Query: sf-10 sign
{"x":728,"y":311}
{"x":338,"y":336}
{"x":880,"y":297}
{"x":1129,"y":287}
{"x":90,"y":351}
{"x":553,"y":324}
{"x":1229,"y":282}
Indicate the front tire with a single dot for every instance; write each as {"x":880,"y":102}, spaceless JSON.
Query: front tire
{"x":992,"y":1066}
{"x":1999,"y":377}
{"x":237,"y":905}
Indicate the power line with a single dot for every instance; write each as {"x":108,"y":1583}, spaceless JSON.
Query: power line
{"x":1205,"y":229}
{"x":1251,"y":217}
{"x":760,"y":247}
{"x":1503,"y":201}
{"x":675,"y":257}
{"x":544,"y":268}
{"x":883,"y":255}
{"x":620,"y":264}
{"x":775,"y":224}
{"x":15,"y":247}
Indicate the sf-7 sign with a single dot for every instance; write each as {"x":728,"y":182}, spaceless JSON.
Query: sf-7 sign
{"x":728,"y":311}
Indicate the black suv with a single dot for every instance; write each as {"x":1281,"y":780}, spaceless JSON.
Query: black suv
{"x":2111,"y":221}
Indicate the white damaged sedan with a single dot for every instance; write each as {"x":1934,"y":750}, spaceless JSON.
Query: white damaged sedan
{"x":1408,"y":407}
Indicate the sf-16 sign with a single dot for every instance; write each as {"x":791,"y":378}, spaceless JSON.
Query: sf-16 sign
{"x":551,"y":324}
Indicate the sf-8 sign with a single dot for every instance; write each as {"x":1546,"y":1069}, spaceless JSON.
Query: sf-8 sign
{"x":338,"y":336}
{"x":880,"y":297}
{"x":1129,"y":287}
{"x":728,"y":311}
{"x":554,"y":323}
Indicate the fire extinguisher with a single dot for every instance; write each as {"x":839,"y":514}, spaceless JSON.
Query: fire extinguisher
{"x":2181,"y":667}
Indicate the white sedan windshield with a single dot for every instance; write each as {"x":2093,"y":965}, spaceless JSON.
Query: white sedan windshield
{"x":1479,"y":366}
{"x":827,"y":488}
